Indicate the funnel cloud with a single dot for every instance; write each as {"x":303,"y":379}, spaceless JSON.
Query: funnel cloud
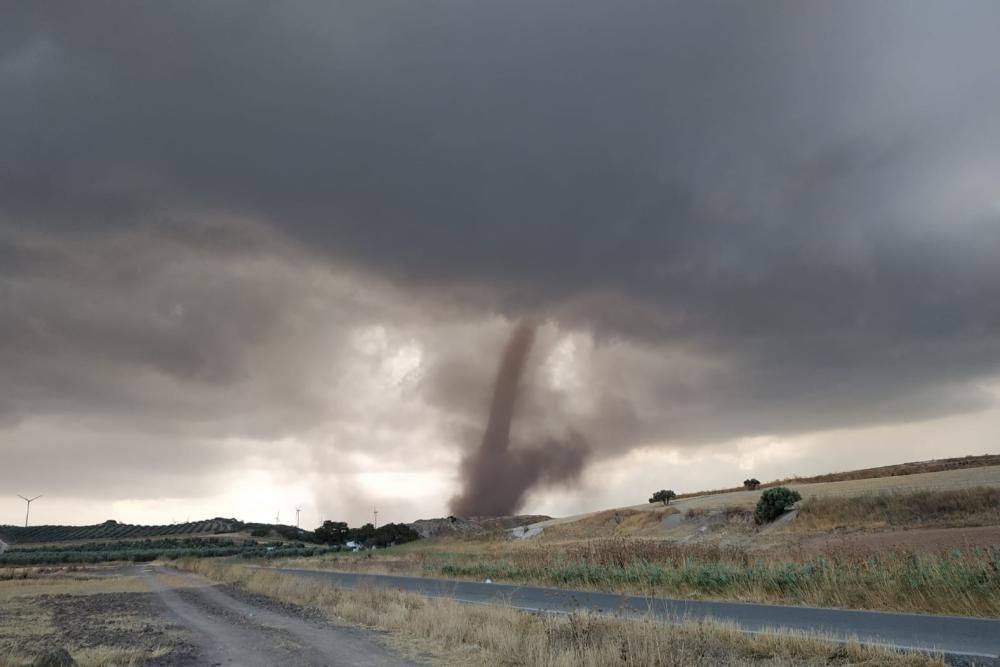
{"x":496,"y":478}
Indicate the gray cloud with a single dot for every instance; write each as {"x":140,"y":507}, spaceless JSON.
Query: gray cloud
{"x":775,"y":218}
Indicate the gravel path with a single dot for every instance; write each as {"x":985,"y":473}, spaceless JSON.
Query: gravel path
{"x":232,"y":628}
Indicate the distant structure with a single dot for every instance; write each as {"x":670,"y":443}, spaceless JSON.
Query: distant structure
{"x":375,"y":512}
{"x":28,"y":510}
{"x":298,"y":510}
{"x":3,"y":546}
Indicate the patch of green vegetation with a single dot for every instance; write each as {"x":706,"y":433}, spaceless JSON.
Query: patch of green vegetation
{"x":774,"y":502}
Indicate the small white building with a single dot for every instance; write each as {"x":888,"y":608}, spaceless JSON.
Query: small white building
{"x":3,"y":546}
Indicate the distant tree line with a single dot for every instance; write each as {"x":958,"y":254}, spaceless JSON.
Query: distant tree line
{"x":339,"y":533}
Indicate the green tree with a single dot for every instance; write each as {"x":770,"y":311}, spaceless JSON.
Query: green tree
{"x":332,"y":532}
{"x":393,"y":533}
{"x":663,"y":496}
{"x":773,"y":502}
{"x":752,"y":484}
{"x":364,"y":535}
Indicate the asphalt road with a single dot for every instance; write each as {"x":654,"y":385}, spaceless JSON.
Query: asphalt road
{"x":951,"y":635}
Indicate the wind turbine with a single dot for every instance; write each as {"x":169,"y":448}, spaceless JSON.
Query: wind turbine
{"x":297,"y":511}
{"x":28,"y":510}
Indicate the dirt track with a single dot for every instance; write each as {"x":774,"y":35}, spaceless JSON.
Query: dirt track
{"x":151,"y":616}
{"x":229,"y":627}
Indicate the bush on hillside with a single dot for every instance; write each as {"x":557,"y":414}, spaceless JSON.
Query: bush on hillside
{"x":663,"y":496}
{"x":774,"y":502}
{"x":751,"y":484}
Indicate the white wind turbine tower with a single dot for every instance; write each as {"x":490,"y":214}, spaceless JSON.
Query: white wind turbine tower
{"x":28,"y":510}
{"x":298,"y":510}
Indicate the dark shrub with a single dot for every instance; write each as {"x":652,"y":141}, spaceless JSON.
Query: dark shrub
{"x":773,"y":503}
{"x":663,"y":496}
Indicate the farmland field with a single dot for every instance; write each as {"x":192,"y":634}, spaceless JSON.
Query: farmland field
{"x":987,"y":476}
{"x":112,"y":530}
{"x":139,"y":551}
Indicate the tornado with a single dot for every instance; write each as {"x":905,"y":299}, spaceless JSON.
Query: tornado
{"x":495,"y":477}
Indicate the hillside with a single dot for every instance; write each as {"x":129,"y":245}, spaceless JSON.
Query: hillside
{"x":473,"y":525}
{"x":112,"y":530}
{"x":726,"y":515}
{"x":894,"y":470}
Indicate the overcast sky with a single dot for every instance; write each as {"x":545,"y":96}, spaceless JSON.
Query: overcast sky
{"x":257,"y":255}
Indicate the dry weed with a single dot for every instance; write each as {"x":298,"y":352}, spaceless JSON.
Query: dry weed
{"x":466,"y":634}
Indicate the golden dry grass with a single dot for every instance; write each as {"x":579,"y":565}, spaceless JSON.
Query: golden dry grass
{"x":29,"y":582}
{"x":487,"y":635}
{"x":964,"y":478}
{"x":614,"y":523}
{"x":94,"y":656}
{"x":895,"y":470}
{"x":978,"y":506}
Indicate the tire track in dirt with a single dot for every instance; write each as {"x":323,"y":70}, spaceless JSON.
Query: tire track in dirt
{"x":228,"y":631}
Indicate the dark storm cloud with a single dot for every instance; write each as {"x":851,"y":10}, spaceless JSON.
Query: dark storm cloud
{"x":779,"y":216}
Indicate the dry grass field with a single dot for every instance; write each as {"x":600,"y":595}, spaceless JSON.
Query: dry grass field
{"x":460,"y":634}
{"x":965,"y":478}
{"x":942,"y":508}
{"x":23,"y":582}
{"x":895,"y":470}
{"x":963,"y":582}
{"x":923,"y":542}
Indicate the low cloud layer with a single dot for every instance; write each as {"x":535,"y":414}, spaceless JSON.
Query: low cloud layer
{"x":293,"y":240}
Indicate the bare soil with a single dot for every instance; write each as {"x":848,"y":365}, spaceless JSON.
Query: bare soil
{"x":119,"y":620}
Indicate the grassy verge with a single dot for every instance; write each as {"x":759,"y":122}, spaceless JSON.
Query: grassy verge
{"x":96,"y":656}
{"x":963,"y":582}
{"x":466,"y":634}
{"x":915,"y":509}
